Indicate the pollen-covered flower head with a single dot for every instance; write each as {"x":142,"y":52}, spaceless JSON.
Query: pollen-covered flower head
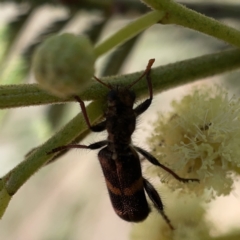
{"x":200,"y":139}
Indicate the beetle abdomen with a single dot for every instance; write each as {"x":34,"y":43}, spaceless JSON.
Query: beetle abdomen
{"x":132,"y":208}
{"x":124,"y":181}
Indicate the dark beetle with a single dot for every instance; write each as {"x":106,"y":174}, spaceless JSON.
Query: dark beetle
{"x":119,"y":158}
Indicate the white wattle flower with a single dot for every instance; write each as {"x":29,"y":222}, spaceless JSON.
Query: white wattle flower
{"x":200,"y":139}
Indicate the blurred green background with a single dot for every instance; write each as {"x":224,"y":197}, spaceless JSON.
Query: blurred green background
{"x":68,"y":198}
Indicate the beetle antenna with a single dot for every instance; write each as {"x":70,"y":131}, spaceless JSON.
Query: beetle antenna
{"x":147,"y":70}
{"x":105,"y":84}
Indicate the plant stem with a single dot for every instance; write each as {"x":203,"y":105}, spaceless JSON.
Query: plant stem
{"x":179,"y":14}
{"x":129,"y":31}
{"x":163,"y":78}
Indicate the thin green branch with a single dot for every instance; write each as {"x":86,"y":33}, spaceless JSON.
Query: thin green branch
{"x":21,"y":95}
{"x":163,"y":78}
{"x":179,"y":14}
{"x":39,"y":157}
{"x":129,"y":31}
{"x":216,"y":9}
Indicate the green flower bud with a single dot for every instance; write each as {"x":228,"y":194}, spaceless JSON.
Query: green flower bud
{"x":64,"y":64}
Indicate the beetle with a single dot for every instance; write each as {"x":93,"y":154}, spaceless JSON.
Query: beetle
{"x":119,"y":158}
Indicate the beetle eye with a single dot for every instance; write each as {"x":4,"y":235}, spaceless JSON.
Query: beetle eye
{"x":112,"y":95}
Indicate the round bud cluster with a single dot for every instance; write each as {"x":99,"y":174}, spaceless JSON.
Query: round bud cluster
{"x":64,"y":64}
